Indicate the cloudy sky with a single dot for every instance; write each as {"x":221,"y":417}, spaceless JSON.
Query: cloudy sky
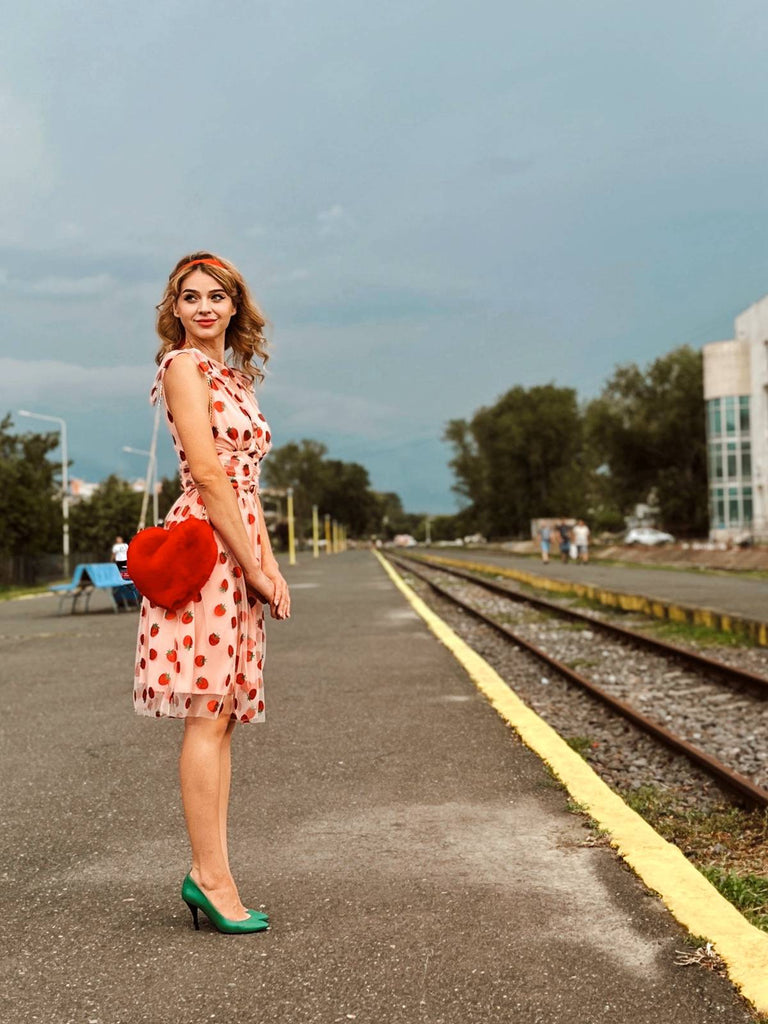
{"x":433,"y":201}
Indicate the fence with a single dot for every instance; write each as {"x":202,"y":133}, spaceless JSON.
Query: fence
{"x":28,"y":570}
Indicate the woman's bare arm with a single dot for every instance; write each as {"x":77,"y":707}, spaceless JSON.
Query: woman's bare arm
{"x":268,"y":559}
{"x":280,"y":605}
{"x":186,"y":396}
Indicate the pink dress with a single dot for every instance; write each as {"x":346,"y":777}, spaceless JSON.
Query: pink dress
{"x":189,"y":660}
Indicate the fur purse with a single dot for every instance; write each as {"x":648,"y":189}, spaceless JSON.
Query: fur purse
{"x":171,"y":566}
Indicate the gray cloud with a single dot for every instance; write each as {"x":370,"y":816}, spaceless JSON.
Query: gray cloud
{"x":432,"y":202}
{"x":62,"y":387}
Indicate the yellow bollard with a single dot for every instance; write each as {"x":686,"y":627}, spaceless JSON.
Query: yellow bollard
{"x":335,"y":536}
{"x":315,"y":533}
{"x":327,"y":534}
{"x":291,"y":531}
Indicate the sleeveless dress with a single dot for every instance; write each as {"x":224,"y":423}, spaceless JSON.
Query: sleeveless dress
{"x":189,"y":660}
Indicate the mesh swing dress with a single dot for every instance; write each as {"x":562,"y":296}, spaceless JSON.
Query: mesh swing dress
{"x":189,"y":660}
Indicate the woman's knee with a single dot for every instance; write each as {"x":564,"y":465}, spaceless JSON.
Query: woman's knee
{"x":206,"y":730}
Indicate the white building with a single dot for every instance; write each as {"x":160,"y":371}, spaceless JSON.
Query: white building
{"x":736,"y":394}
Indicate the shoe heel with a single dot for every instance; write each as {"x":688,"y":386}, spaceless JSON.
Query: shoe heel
{"x":193,"y":912}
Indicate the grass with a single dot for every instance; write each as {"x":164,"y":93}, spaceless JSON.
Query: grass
{"x":704,"y":570}
{"x":577,"y":808}
{"x":9,"y":593}
{"x":621,"y":563}
{"x":702,"y":636}
{"x":726,"y":843}
{"x":582,"y":663}
{"x":581,"y":744}
{"x":748,"y":893}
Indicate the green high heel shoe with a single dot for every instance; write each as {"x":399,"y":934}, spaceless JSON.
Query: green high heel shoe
{"x":196,"y":900}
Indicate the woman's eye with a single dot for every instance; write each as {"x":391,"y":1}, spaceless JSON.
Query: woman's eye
{"x":218,"y":297}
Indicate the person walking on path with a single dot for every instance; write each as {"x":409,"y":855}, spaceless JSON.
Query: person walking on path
{"x":203,"y":662}
{"x":545,"y":537}
{"x":120,"y":553}
{"x":565,"y":540}
{"x":581,"y":540}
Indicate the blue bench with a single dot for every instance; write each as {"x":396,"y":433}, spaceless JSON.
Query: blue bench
{"x":91,"y":576}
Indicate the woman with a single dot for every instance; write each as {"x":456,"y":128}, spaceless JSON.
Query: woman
{"x":203,"y":662}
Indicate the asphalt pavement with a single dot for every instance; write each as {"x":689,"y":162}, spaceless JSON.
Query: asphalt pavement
{"x":418,"y":862}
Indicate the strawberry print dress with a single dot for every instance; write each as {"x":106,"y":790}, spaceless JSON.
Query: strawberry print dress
{"x":189,"y":660}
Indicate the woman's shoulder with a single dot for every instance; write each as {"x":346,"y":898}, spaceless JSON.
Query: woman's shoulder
{"x":197,"y":357}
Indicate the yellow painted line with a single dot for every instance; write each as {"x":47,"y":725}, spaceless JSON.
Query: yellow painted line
{"x":662,"y":867}
{"x":755,"y":629}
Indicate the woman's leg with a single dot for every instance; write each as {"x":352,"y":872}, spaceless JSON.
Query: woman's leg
{"x":225,"y":779}
{"x":200,"y":770}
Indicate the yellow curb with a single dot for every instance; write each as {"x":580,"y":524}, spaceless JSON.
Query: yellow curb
{"x":754,"y":629}
{"x":662,"y":867}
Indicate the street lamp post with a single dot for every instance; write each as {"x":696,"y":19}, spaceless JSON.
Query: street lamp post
{"x":64,"y":480}
{"x":291,"y":529}
{"x":150,"y":483}
{"x":151,"y":473}
{"x":328,"y":546}
{"x":315,"y":533}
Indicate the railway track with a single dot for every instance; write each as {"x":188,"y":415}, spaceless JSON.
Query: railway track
{"x":707,"y":687}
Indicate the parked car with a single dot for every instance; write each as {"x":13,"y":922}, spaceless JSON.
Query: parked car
{"x":404,"y":540}
{"x":647,"y":535}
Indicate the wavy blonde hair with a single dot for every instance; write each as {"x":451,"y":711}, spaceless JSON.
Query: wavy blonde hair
{"x":245,"y":337}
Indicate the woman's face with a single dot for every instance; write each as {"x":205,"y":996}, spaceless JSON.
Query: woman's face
{"x":204,"y":308}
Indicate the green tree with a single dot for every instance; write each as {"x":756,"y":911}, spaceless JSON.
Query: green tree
{"x":647,"y":433}
{"x":339,"y":489}
{"x":388,"y":517}
{"x":170,"y":489}
{"x":299,"y":466}
{"x":519,"y":459}
{"x":112,"y":510}
{"x":448,"y":527}
{"x":30,"y":513}
{"x":346,"y":495}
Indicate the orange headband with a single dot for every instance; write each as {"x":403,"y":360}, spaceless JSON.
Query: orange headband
{"x":194,"y":263}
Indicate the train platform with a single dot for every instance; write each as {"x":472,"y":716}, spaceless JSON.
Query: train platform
{"x":732,"y":600}
{"x":420,"y":863}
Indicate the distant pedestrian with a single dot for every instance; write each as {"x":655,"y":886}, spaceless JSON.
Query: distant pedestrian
{"x":581,"y":539}
{"x":120,"y":554}
{"x":545,"y":539}
{"x":565,"y":540}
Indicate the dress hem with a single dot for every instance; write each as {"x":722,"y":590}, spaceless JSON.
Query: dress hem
{"x":256,"y":720}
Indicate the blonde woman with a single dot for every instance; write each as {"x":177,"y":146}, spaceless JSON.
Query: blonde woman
{"x":204,"y":662}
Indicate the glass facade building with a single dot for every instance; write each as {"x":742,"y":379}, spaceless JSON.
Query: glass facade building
{"x":729,"y":451}
{"x":736,"y":396}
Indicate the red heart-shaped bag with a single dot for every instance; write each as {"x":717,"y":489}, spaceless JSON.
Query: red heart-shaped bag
{"x":171,"y":566}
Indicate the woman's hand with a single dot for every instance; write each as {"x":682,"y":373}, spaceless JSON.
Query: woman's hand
{"x":261,"y":585}
{"x":280,"y":604}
